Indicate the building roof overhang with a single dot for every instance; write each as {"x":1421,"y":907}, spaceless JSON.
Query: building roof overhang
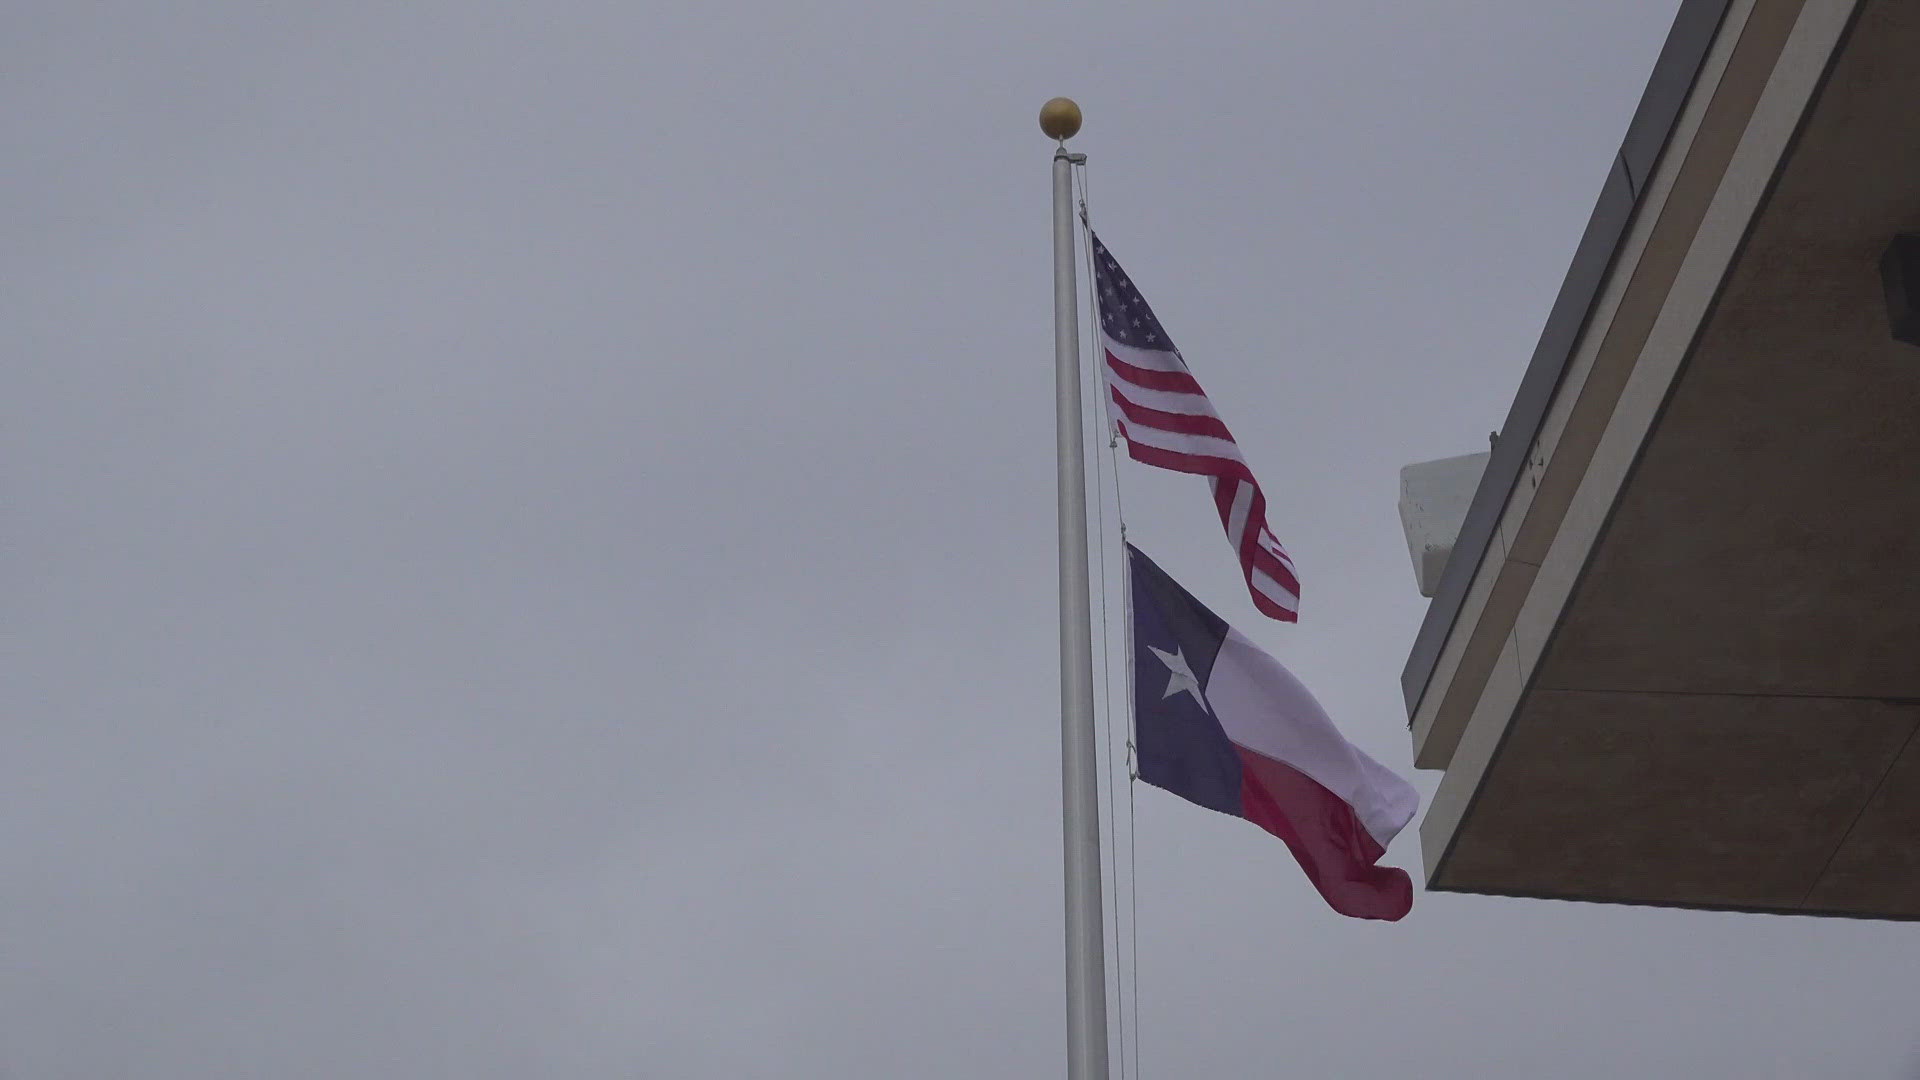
{"x":1673,"y":657}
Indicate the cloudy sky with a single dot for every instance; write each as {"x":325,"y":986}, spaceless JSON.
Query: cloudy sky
{"x":529,"y":537}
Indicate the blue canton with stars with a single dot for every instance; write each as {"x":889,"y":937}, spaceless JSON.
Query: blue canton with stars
{"x":1124,"y":314}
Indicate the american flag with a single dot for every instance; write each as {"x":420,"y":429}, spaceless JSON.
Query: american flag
{"x":1168,"y":422}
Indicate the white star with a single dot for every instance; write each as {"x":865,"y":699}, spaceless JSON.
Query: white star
{"x":1180,"y":677}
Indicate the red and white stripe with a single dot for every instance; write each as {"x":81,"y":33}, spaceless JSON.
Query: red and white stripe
{"x":1169,"y":423}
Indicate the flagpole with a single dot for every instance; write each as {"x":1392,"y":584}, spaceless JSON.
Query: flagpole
{"x":1080,"y":801}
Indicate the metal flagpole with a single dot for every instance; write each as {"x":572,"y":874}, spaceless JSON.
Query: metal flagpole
{"x":1080,"y":802}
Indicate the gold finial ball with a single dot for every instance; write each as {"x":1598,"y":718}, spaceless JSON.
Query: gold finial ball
{"x":1060,"y":119}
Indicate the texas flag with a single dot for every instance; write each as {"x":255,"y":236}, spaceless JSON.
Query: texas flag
{"x":1220,"y":723}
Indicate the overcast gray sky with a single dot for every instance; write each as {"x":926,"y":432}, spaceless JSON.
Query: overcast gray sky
{"x":529,"y":537}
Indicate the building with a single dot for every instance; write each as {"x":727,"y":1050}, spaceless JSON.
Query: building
{"x":1674,"y":655}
